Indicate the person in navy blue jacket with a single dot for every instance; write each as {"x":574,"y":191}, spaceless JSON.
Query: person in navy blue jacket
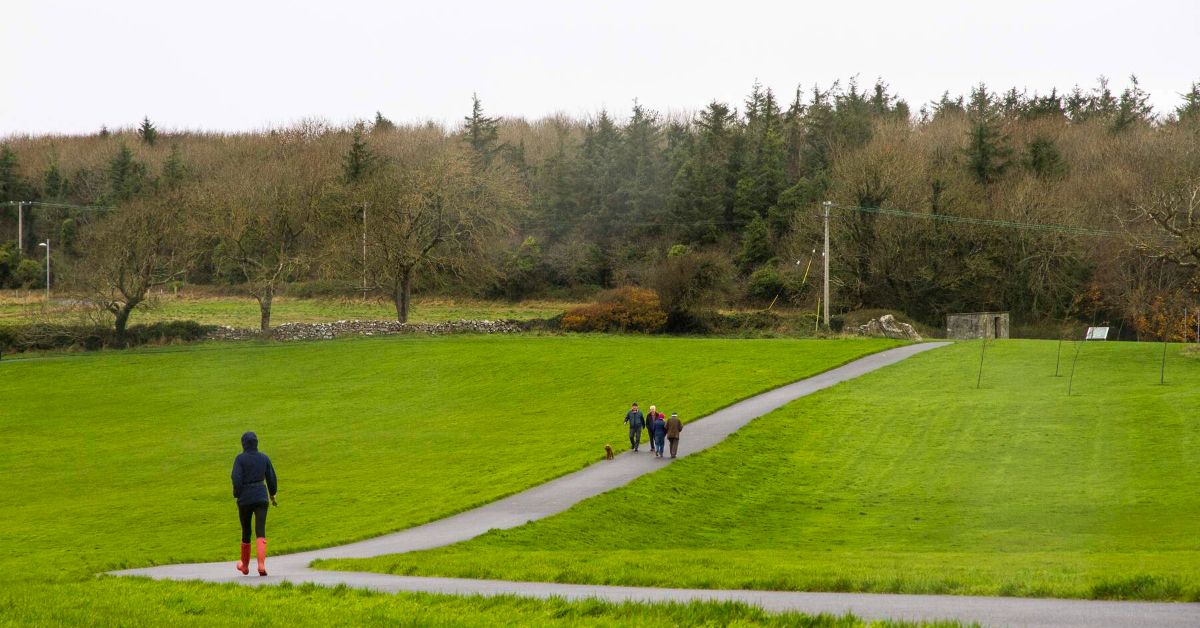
{"x":254,"y":484}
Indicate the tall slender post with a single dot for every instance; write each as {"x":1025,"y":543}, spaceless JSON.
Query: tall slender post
{"x":1071,"y":380}
{"x":364,"y":251}
{"x":1162,"y":370}
{"x":827,"y":205}
{"x":1058,"y":359}
{"x":47,"y":245}
{"x":982,"y":352}
{"x":20,"y":225}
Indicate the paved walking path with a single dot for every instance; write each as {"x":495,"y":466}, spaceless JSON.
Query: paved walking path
{"x":562,"y":493}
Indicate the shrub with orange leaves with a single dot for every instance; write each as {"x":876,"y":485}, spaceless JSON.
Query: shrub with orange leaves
{"x":623,"y":309}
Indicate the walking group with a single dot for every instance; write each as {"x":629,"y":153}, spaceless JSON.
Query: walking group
{"x":658,"y":428}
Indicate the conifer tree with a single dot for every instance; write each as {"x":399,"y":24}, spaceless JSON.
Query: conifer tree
{"x":147,"y":132}
{"x":1132,"y":108}
{"x":558,"y":179}
{"x":12,"y":186}
{"x":642,"y":178}
{"x":1043,"y":158}
{"x":126,"y":175}
{"x":601,"y":163}
{"x":793,"y":134}
{"x":819,"y":134}
{"x":987,"y":151}
{"x":1048,"y":106}
{"x":756,"y":245}
{"x":54,"y":186}
{"x":764,"y":172}
{"x":701,"y":193}
{"x":946,"y":106}
{"x":1189,"y":111}
{"x":382,"y":123}
{"x":481,"y":132}
{"x":174,"y":169}
{"x":359,"y":161}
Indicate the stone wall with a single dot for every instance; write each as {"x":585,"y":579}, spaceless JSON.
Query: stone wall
{"x":339,"y":329}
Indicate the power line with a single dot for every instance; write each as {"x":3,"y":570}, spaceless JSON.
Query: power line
{"x":62,"y":205}
{"x":986,"y":222}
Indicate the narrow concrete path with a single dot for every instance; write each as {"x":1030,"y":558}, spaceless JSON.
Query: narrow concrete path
{"x":562,"y":493}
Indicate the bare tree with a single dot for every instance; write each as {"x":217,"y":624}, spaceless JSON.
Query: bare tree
{"x":264,"y":221}
{"x":433,"y":211}
{"x":133,"y":249}
{"x":1163,"y":215}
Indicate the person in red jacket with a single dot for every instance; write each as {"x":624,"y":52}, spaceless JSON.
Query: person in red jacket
{"x":254,"y":484}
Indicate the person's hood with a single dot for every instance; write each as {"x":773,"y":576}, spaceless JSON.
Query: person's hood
{"x":249,"y":441}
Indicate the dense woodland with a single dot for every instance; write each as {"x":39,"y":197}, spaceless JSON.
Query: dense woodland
{"x":1068,"y":206}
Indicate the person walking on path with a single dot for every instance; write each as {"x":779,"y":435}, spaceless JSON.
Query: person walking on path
{"x":674,"y":429}
{"x":650,"y":416}
{"x":658,"y":431}
{"x":254,"y":484}
{"x":635,"y":421}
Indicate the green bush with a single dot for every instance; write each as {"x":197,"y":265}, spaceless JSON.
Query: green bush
{"x":29,"y":274}
{"x":765,"y":284}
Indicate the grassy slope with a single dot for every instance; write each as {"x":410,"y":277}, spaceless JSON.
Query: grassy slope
{"x":907,"y":480}
{"x":243,"y":311}
{"x":122,"y":458}
{"x":152,"y":604}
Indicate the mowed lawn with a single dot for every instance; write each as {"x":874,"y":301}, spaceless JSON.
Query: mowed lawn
{"x":121,"y":459}
{"x":907,"y":480}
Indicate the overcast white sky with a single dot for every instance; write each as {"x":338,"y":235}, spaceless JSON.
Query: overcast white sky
{"x":72,"y":66}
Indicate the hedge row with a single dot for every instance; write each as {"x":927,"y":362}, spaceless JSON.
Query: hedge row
{"x":47,"y":337}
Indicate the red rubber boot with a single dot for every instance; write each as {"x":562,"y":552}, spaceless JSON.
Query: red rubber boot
{"x":262,"y":556}
{"x":244,"y":564}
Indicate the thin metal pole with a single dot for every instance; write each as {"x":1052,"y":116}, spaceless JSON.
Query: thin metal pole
{"x":1058,"y":358}
{"x":47,"y":271}
{"x":982,"y":352}
{"x":20,"y":226}
{"x":1162,"y":370}
{"x":1071,"y":380}
{"x":827,"y":205}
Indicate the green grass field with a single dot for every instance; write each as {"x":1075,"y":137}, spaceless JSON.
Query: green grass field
{"x":127,"y":602}
{"x":121,"y":459}
{"x":20,"y":307}
{"x":907,"y":480}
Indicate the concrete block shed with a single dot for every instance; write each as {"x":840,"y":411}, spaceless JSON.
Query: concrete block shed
{"x":973,"y":325}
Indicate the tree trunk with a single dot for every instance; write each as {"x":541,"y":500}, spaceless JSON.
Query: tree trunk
{"x":403,"y":297}
{"x":264,"y":308}
{"x":122,"y":321}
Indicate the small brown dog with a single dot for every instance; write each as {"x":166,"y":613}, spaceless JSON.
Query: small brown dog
{"x":608,"y":452}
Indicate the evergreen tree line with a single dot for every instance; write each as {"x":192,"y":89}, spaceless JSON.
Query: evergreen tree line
{"x":728,"y":198}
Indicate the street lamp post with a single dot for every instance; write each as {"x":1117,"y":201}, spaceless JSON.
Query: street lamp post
{"x":47,"y":245}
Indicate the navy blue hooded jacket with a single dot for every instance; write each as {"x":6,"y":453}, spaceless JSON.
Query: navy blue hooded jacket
{"x":250,"y":469}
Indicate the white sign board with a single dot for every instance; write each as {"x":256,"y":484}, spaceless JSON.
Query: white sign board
{"x":1097,"y":333}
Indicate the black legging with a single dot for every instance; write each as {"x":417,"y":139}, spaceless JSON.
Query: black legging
{"x":260,"y":520}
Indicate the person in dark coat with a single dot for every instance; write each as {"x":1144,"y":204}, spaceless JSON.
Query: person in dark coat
{"x":254,"y":485}
{"x":674,"y":429}
{"x":658,"y":431}
{"x":635,"y":420}
{"x":650,"y":416}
